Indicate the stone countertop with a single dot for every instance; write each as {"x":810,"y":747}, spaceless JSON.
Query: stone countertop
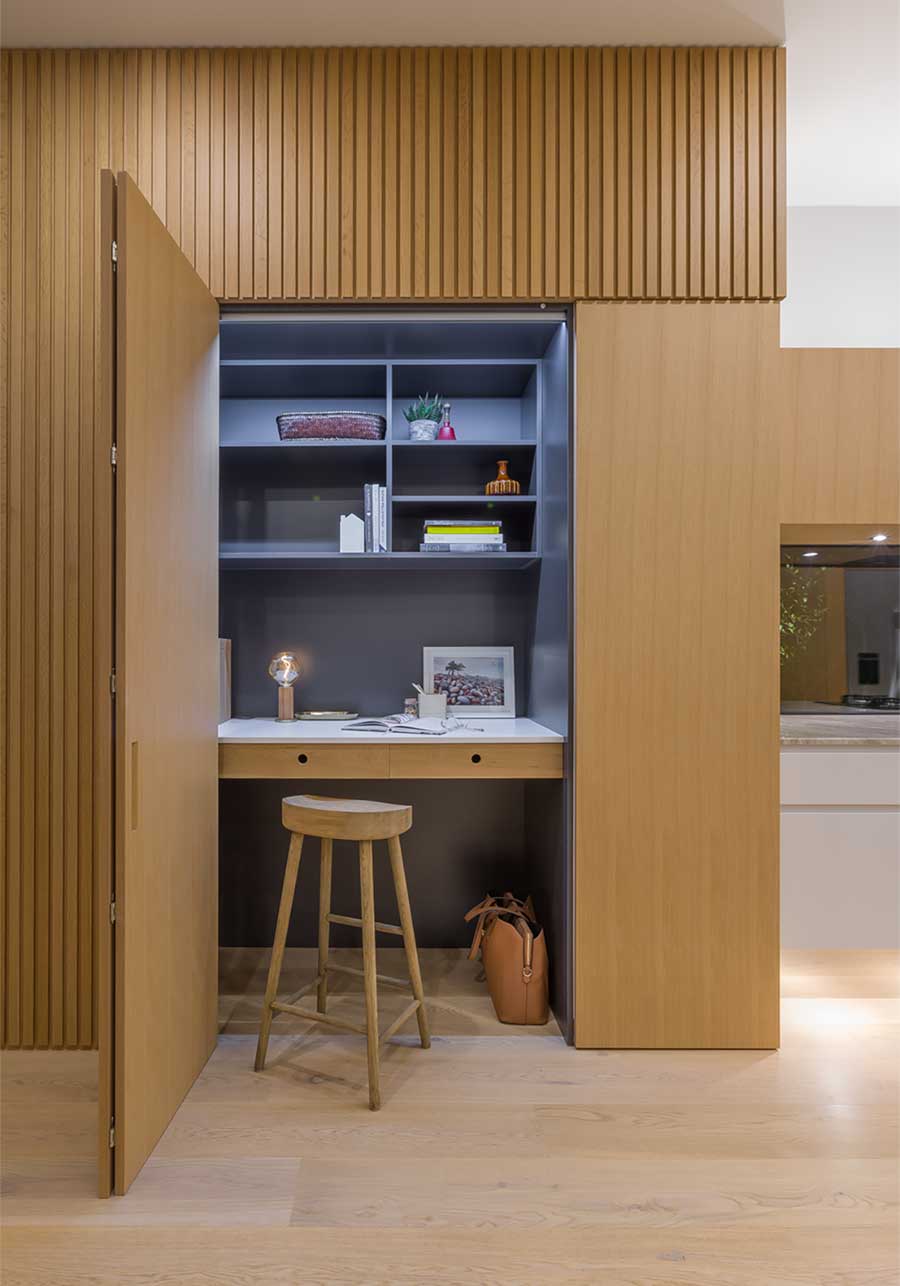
{"x":835,"y":730}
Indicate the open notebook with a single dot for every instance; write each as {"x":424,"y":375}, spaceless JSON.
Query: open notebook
{"x":409,"y":723}
{"x":399,"y":723}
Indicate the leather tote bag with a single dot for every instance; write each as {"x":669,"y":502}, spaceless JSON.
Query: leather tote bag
{"x":514,"y":956}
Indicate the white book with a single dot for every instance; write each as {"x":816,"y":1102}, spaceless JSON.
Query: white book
{"x":383,"y":520}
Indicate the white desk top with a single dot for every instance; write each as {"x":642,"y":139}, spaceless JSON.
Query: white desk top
{"x":508,"y":731}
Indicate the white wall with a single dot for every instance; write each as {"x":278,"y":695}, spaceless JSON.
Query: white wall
{"x":843,"y":277}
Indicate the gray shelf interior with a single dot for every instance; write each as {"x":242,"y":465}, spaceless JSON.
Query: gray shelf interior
{"x":360,"y":634}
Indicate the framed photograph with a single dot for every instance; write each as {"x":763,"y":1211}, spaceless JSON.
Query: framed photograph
{"x":477,"y":680}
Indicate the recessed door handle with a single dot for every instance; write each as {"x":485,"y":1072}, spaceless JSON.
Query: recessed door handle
{"x":303,"y":759}
{"x":135,"y":796}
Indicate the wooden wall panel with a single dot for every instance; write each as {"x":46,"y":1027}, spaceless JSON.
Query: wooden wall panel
{"x":362,"y":174}
{"x":676,"y":671}
{"x":840,"y":435}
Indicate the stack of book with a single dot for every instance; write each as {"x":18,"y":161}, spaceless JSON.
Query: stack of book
{"x":449,"y":536}
{"x":376,"y":517}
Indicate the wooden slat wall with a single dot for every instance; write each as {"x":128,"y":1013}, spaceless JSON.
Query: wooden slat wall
{"x":308,"y":173}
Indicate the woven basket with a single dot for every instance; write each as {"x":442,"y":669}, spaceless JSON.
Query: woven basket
{"x":351,"y":425}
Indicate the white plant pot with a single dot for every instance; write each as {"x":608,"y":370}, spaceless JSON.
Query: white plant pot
{"x":423,"y":430}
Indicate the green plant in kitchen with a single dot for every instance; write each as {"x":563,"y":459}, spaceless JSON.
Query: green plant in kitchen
{"x":425,"y":407}
{"x":803,"y":607}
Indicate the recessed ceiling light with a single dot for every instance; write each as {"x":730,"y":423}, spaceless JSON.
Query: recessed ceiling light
{"x":811,"y":553}
{"x":880,"y":537}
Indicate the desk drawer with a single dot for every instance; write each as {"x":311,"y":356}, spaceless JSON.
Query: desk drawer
{"x":476,"y":760}
{"x":311,"y":761}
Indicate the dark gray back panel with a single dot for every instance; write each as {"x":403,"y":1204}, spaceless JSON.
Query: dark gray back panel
{"x":467,"y":838}
{"x":360,"y":634}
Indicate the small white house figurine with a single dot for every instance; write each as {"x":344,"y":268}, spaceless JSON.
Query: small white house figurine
{"x":353,"y":534}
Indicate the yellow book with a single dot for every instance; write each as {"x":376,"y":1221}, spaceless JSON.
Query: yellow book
{"x":463,"y":529}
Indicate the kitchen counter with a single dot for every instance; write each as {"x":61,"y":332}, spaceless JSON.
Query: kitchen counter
{"x":834,"y":730}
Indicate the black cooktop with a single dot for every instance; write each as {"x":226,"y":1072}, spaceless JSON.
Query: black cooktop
{"x":859,"y":701}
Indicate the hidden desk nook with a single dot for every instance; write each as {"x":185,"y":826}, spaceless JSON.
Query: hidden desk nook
{"x":491,"y":808}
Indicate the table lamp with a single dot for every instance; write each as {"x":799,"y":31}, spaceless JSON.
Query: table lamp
{"x":284,"y":668}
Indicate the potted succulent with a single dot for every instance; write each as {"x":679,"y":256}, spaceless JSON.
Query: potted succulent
{"x":424,"y":417}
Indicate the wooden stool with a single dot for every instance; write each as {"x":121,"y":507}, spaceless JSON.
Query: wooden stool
{"x":360,"y":820}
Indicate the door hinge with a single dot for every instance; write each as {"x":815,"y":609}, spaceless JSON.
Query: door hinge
{"x":113,"y":456}
{"x":115,"y":254}
{"x":112,"y":683}
{"x":112,"y":911}
{"x":112,"y":1131}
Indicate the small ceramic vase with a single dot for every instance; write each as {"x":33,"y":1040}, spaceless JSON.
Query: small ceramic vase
{"x":423,"y":431}
{"x":503,"y":484}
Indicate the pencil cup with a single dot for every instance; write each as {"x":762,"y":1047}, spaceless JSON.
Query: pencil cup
{"x":432,"y":705}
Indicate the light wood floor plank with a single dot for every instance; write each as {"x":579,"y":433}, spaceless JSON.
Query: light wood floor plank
{"x":505,"y":1158}
{"x":301,"y":1256}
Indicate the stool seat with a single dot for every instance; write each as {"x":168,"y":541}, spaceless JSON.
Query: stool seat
{"x":353,"y":819}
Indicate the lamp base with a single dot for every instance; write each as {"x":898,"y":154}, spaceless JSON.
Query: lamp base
{"x":285,"y":705}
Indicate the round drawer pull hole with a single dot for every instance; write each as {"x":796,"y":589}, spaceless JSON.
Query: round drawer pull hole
{"x":303,"y":759}
{"x":476,"y":759}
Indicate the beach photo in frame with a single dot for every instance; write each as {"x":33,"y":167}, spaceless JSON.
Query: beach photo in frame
{"x":477,"y":680}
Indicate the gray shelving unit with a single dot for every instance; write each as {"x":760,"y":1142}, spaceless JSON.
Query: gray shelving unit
{"x":279,"y":499}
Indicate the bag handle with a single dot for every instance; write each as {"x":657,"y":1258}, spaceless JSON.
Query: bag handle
{"x":489,"y":909}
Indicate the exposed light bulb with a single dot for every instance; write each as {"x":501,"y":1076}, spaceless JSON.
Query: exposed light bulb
{"x":811,"y":553}
{"x":879,"y":537}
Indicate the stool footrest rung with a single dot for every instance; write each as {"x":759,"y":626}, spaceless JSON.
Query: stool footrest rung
{"x":312,"y":1016}
{"x":298,"y":995}
{"x":403,"y":983}
{"x":355,"y":922}
{"x":399,"y":1021}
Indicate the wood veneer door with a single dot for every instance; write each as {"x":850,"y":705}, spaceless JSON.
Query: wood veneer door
{"x":166,"y":796}
{"x":676,"y":669}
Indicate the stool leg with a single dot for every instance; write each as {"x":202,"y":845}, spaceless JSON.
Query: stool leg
{"x":281,"y":928}
{"x":409,"y":936}
{"x":324,"y":926}
{"x":367,"y":898}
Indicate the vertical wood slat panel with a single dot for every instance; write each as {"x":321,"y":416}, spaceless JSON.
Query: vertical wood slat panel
{"x":348,"y":94}
{"x":566,"y":196}
{"x":311,"y":174}
{"x":710,"y":233}
{"x":638,"y":178}
{"x":4,"y":470}
{"x":507,"y":135}
{"x":652,"y":160}
{"x":753,"y":161}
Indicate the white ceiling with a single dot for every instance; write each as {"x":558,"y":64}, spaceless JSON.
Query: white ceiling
{"x":85,"y":23}
{"x":843,"y":102}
